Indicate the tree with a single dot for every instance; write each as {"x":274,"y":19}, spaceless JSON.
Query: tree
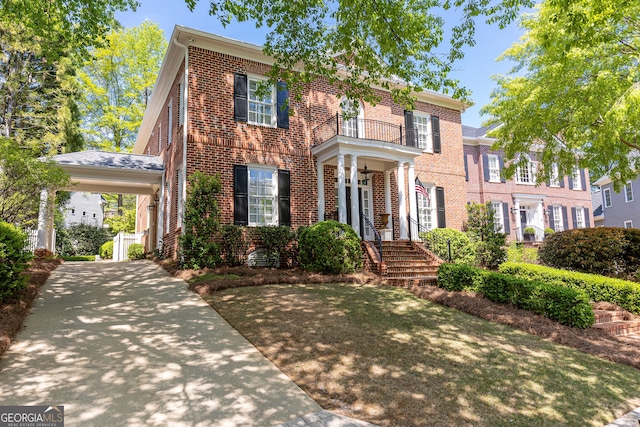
{"x":481,"y":229}
{"x":117,"y":81}
{"x":359,"y":44}
{"x":123,"y":217}
{"x":574,"y":93}
{"x":22,"y":177}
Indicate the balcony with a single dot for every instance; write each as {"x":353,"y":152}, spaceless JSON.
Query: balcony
{"x":358,"y":128}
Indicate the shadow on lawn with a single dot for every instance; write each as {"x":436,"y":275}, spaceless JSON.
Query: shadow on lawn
{"x":385,"y":356}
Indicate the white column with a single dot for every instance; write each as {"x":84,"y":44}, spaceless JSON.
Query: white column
{"x":355,"y":206}
{"x":402,"y":202}
{"x":540,"y":221}
{"x":387,"y":195}
{"x":50,"y":233}
{"x":342,"y":192}
{"x":320,"y":176}
{"x":519,"y":230}
{"x":42,"y":219}
{"x":413,"y":204}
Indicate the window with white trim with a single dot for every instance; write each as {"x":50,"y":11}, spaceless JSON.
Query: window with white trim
{"x":558,"y":223}
{"x":426,"y":209}
{"x":263,"y":196}
{"x":422,"y":124}
{"x":498,"y":219}
{"x":262,"y":109}
{"x":628,"y":224}
{"x":181,"y":102}
{"x":628,"y":192}
{"x":575,"y":177}
{"x":525,"y":171}
{"x":554,"y":177}
{"x":580,"y":218}
{"x":607,"y":197}
{"x":494,"y":167}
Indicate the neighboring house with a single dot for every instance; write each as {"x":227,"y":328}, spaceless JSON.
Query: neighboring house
{"x":561,"y":204}
{"x":205,"y":114}
{"x":596,"y":204}
{"x":84,"y":208}
{"x":620,"y":209}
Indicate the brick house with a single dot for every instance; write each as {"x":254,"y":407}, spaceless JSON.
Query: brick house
{"x":562,"y":203}
{"x":295,"y":169}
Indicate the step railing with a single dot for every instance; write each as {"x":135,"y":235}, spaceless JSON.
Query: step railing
{"x":376,"y":235}
{"x":432,"y":240}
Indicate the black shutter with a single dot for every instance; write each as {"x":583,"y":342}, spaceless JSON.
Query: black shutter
{"x":283,"y":105}
{"x":501,"y":165}
{"x":466,"y":169}
{"x":284,"y":197}
{"x":240,"y":105}
{"x":505,"y":218}
{"x":574,"y":218}
{"x":587,"y":222}
{"x":570,"y":177}
{"x":240,"y":195}
{"x":409,"y":129}
{"x":552,"y":223}
{"x":442,"y":221}
{"x":561,"y":179}
{"x":435,"y":133}
{"x":565,"y":218}
{"x":584,"y":181}
{"x":485,"y":166}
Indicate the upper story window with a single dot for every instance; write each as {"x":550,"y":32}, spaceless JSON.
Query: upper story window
{"x":422,"y":124}
{"x":576,"y":178}
{"x":493,"y":164}
{"x":606,"y":195}
{"x":554,"y":177}
{"x":525,"y":171}
{"x":170,"y":123}
{"x":181,"y":102}
{"x":628,"y":192}
{"x":265,"y":109}
{"x":352,"y":119}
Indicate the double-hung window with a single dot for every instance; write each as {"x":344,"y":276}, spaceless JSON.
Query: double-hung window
{"x":422,"y":124}
{"x":606,"y":193}
{"x":426,"y":208}
{"x":262,"y":106}
{"x":252,"y":104}
{"x":554,"y":176}
{"x":558,"y":223}
{"x":628,"y":192}
{"x":576,"y":178}
{"x":580,"y":218}
{"x":498,"y":220}
{"x":494,"y":167}
{"x":262,"y":196}
{"x":525,"y":172}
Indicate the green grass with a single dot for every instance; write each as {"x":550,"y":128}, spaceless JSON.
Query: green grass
{"x":385,"y":356}
{"x":211,"y":276}
{"x":79,"y":258}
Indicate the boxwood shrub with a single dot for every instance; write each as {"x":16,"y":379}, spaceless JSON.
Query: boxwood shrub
{"x":330,"y":247}
{"x":565,"y":305}
{"x":135,"y":251}
{"x":599,"y":288}
{"x":13,"y":260}
{"x":106,"y":250}
{"x":610,"y":251}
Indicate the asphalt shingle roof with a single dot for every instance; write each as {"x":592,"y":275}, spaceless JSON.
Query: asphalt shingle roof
{"x":473,"y":132}
{"x":110,"y":160}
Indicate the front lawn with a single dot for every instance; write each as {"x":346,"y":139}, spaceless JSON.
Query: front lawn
{"x":382,"y":355}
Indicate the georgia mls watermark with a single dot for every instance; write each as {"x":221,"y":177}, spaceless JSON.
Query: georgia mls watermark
{"x":31,"y":416}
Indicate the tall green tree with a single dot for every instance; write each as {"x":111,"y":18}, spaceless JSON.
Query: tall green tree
{"x":358,"y":44}
{"x":117,"y":81}
{"x":574,"y":92}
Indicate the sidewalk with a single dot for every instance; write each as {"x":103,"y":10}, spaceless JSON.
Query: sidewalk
{"x":125,"y":344}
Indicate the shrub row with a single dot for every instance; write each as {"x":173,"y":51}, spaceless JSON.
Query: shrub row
{"x":611,"y":251}
{"x":13,"y":260}
{"x":598,"y":288}
{"x":565,"y":305}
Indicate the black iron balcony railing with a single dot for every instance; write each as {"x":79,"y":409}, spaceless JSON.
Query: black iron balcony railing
{"x":364,"y":129}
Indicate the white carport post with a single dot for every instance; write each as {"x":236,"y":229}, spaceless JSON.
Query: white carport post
{"x":45,"y":220}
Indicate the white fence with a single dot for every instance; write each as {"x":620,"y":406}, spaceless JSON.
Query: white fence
{"x":32,"y":240}
{"x":121,"y":243}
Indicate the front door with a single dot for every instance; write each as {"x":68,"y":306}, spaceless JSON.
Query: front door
{"x":365,"y":206}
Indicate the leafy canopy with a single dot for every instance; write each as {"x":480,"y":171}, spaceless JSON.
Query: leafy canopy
{"x":358,"y":44}
{"x":575,"y":90}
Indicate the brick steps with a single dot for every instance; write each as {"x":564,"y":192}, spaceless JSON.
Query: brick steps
{"x":407,"y":265}
{"x":616,"y":323}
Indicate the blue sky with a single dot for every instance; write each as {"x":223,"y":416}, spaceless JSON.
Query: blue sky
{"x":474,"y":72}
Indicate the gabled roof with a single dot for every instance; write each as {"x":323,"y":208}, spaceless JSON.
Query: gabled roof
{"x":477,"y":136}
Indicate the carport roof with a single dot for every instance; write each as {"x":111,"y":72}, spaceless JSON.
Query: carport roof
{"x":109,"y":172}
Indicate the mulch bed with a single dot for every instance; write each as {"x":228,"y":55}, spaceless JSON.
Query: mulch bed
{"x":13,"y":311}
{"x":589,"y":340}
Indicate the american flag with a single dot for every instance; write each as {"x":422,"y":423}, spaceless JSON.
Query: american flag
{"x":421,"y":190}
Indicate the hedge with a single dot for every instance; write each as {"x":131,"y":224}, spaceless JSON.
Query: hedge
{"x":559,"y":303}
{"x":13,"y":260}
{"x":599,"y":288}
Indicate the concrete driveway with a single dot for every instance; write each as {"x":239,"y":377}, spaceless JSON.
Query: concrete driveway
{"x":125,"y":344}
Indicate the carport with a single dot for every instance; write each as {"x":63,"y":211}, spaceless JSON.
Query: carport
{"x":103,"y":172}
